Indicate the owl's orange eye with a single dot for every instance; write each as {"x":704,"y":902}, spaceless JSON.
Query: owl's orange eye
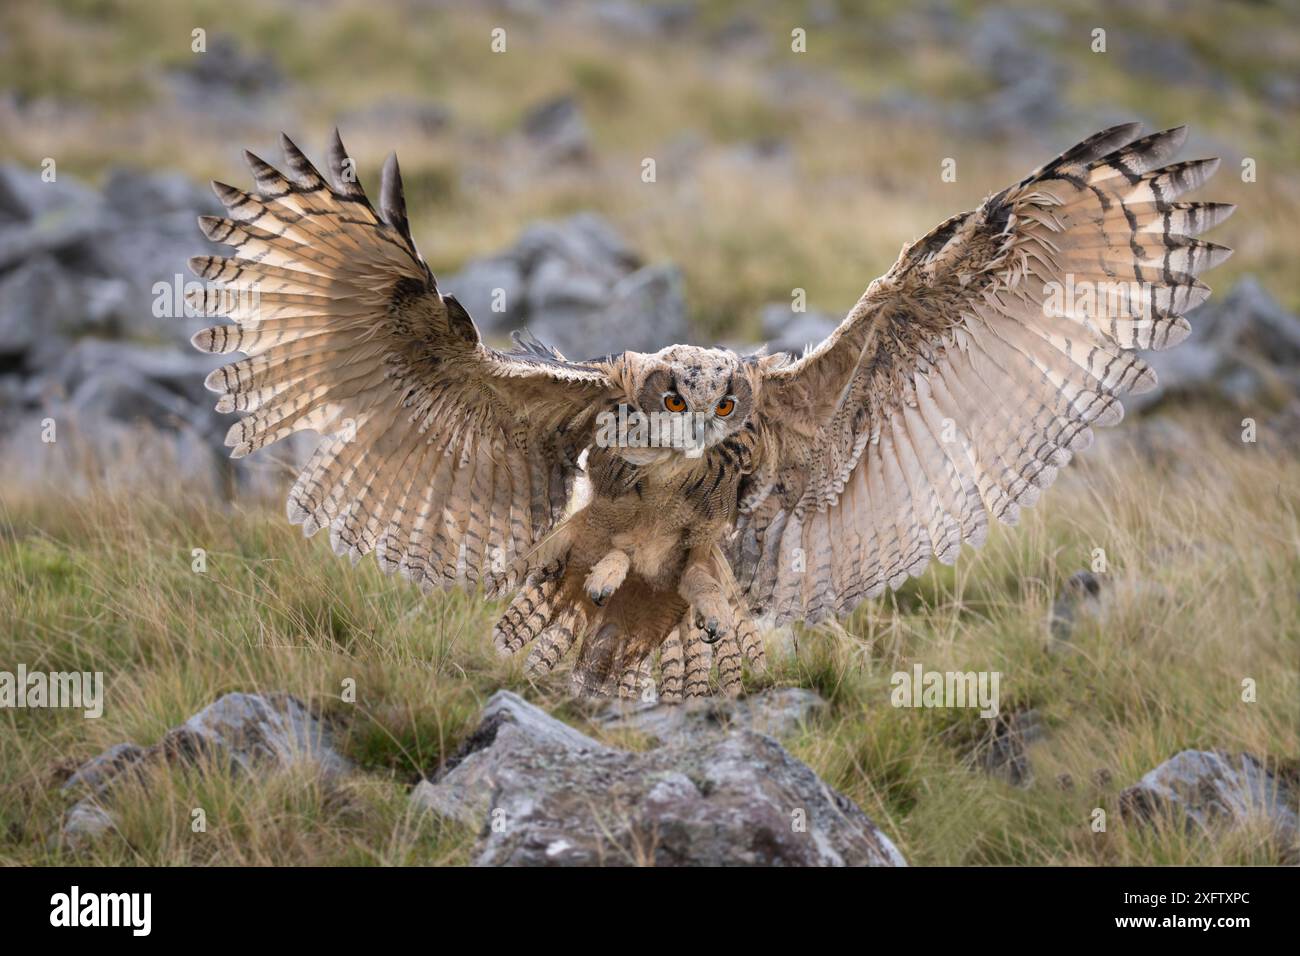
{"x":674,"y":402}
{"x":725,"y":407}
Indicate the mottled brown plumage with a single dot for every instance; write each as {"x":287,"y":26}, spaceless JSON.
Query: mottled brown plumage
{"x":955,"y":389}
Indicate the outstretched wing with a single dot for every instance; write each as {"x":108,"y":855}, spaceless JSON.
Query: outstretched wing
{"x":966,"y":376}
{"x":445,"y":457}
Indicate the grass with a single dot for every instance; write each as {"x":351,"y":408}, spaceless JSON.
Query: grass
{"x":1204,"y":566}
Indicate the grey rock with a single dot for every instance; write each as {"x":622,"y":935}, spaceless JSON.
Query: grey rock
{"x":120,"y":403}
{"x":556,"y":286}
{"x":577,"y":285}
{"x":56,"y":232}
{"x":114,"y":249}
{"x":256,"y":731}
{"x":557,"y":128}
{"x":1189,"y":367}
{"x":778,"y":712}
{"x":1211,"y":789}
{"x":242,"y":733}
{"x":785,"y":330}
{"x":39,"y":306}
{"x":478,"y":286}
{"x":151,"y":255}
{"x":585,"y":242}
{"x":647,"y":310}
{"x":176,"y":370}
{"x":507,"y":723}
{"x":119,"y":394}
{"x":25,"y":195}
{"x":85,"y":823}
{"x":98,"y":772}
{"x":1237,"y":344}
{"x":1003,"y":752}
{"x":545,"y":795}
{"x":642,"y":312}
{"x":138,"y":194}
{"x":1081,"y":594}
{"x":228,"y":67}
{"x":1260,"y":322}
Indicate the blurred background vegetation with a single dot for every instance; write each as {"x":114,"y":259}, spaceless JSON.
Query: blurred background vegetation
{"x":775,"y":169}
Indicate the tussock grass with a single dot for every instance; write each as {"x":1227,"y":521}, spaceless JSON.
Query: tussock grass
{"x":1202,"y":591}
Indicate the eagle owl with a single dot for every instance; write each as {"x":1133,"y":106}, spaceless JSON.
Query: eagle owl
{"x":797,"y":486}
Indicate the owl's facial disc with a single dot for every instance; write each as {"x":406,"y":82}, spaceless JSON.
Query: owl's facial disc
{"x":705,"y":387}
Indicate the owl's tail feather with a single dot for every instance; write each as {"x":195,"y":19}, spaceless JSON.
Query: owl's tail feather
{"x":554,"y":642}
{"x":672,"y":664}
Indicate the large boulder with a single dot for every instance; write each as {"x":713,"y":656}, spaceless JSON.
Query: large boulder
{"x":544,"y":794}
{"x":27,"y":194}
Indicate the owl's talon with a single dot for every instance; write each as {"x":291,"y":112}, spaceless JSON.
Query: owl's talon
{"x":713,"y":631}
{"x":606,"y":576}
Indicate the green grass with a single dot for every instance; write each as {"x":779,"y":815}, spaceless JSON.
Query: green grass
{"x":1204,"y":563}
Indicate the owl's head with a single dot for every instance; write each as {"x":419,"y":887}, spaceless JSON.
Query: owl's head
{"x":707,"y":387}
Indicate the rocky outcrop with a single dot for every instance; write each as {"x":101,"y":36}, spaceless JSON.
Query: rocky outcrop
{"x":92,"y":338}
{"x":544,"y":794}
{"x":94,"y":334}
